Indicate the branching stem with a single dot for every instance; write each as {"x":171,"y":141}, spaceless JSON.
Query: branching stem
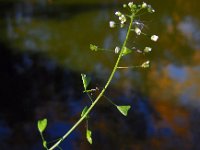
{"x":103,"y":90}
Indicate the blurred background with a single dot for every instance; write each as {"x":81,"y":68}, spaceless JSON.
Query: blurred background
{"x":44,"y":47}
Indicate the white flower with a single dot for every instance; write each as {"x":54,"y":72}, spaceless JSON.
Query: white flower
{"x":144,"y":5}
{"x":137,"y":31}
{"x":117,"y":13}
{"x":112,"y":24}
{"x":145,"y":64}
{"x":117,"y":49}
{"x":130,"y":4}
{"x":154,"y":38}
{"x":147,"y":49}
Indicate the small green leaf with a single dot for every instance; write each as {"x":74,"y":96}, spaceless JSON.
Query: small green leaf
{"x":126,"y":51}
{"x":93,"y":47}
{"x":84,"y":111}
{"x":42,"y":124}
{"x":86,"y":81}
{"x":89,"y":136}
{"x":124,"y":109}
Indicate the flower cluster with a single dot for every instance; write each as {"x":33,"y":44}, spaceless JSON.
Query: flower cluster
{"x":122,"y":18}
{"x":136,"y":8}
{"x":137,"y":26}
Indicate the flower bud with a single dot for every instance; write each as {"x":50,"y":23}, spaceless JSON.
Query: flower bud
{"x":124,"y":5}
{"x":112,"y":24}
{"x":150,"y":9}
{"x":122,"y":18}
{"x":117,"y":49}
{"x":145,"y":64}
{"x":117,"y":13}
{"x":144,"y":5}
{"x":147,"y":49}
{"x":137,"y":31}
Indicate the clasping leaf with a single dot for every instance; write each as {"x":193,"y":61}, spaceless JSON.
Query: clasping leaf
{"x":93,"y":47}
{"x":126,"y":51}
{"x":84,"y":111}
{"x":89,"y":136}
{"x":86,"y":81}
{"x":124,"y":109}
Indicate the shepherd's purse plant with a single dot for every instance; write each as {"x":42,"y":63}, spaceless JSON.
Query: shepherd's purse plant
{"x":128,"y":21}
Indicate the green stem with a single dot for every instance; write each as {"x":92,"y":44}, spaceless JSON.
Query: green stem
{"x":90,"y":97}
{"x":110,"y":100}
{"x":43,"y":140}
{"x":103,"y":90}
{"x":128,"y":67}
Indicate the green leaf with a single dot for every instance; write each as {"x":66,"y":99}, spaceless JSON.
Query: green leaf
{"x":93,"y":47}
{"x":84,"y":111}
{"x":126,"y":51}
{"x":124,"y":109}
{"x":42,"y":124}
{"x":86,"y":81}
{"x":89,"y":136}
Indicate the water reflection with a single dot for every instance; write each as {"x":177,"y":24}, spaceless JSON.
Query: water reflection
{"x":44,"y":48}
{"x":190,"y":29}
{"x":177,"y":73}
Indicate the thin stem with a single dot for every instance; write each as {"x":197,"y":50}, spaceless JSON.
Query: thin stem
{"x":53,"y":141}
{"x":106,"y":50}
{"x":90,"y":97}
{"x":109,"y":100}
{"x":128,"y":67}
{"x":43,"y":140}
{"x":86,"y":124}
{"x":103,"y":90}
{"x":42,"y":137}
{"x":59,"y":148}
{"x":144,"y":34}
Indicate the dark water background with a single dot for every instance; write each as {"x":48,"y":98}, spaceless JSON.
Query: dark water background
{"x":44,"y":47}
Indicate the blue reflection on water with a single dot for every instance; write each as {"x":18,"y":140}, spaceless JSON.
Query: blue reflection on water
{"x":57,"y":130}
{"x":177,"y":73}
{"x":143,"y":108}
{"x":190,"y":29}
{"x":188,"y":96}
